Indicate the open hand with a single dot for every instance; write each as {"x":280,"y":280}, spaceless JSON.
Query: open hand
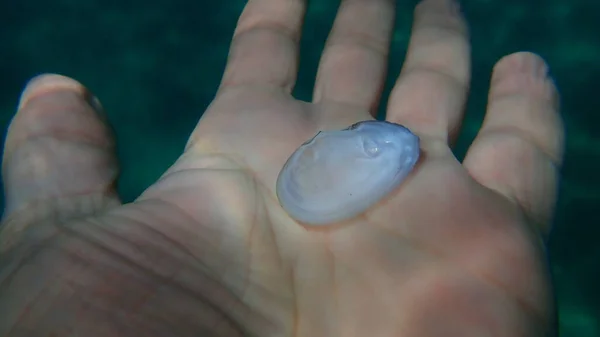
{"x":457,"y":250}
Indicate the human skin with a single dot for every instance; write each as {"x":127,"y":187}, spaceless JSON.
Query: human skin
{"x":457,"y":250}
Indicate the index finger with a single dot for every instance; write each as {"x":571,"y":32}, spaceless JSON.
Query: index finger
{"x":519,"y":148}
{"x":264,"y":49}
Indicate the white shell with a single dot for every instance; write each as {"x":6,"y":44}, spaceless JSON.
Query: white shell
{"x":339,"y":174}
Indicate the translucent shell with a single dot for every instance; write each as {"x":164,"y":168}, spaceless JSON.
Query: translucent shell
{"x":339,"y":174}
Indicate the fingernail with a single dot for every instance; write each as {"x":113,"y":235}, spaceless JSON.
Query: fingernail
{"x":456,"y":8}
{"x":46,"y":83}
{"x":534,"y":64}
{"x":451,"y":7}
{"x":522,"y":62}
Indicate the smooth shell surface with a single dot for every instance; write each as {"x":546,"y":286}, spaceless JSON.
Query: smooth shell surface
{"x":339,"y":174}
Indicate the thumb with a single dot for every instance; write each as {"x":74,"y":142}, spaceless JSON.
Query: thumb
{"x":59,"y":156}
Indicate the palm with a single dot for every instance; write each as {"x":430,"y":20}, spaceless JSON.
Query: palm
{"x":467,"y":243}
{"x":449,"y":253}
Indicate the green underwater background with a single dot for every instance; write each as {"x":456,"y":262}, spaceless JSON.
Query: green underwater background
{"x":155,"y":65}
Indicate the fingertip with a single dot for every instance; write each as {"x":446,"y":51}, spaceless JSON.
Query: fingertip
{"x":53,"y":102}
{"x":448,"y":6}
{"x":523,"y":70}
{"x":59,"y":146}
{"x":521,"y":61}
{"x":524,"y":95}
{"x":48,"y":82}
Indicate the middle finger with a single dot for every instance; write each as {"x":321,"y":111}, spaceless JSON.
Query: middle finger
{"x":353,"y":67}
{"x":431,"y":91}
